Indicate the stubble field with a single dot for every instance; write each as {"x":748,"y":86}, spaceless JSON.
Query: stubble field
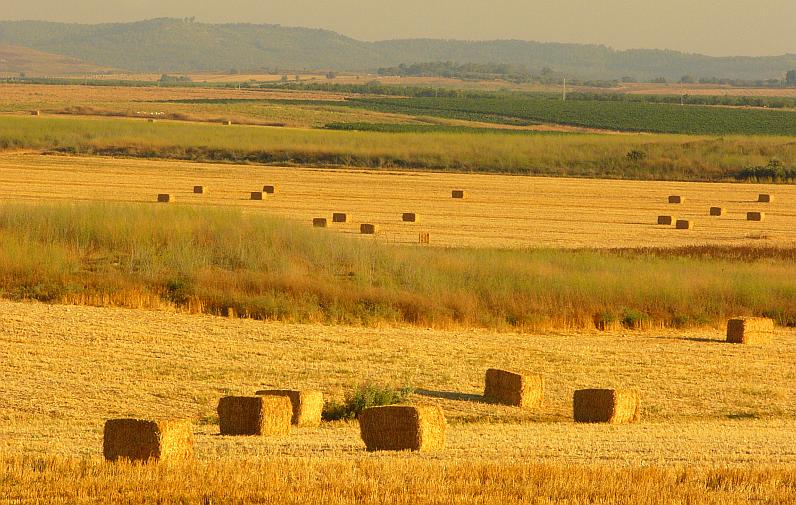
{"x":498,"y":211}
{"x":704,"y":405}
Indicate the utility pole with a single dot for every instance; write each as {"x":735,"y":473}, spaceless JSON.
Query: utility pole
{"x":565,"y":89}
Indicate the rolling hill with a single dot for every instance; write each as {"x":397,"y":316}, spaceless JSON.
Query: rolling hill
{"x":176,"y":45}
{"x":22,"y":60}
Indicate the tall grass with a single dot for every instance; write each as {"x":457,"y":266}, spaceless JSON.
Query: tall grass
{"x":388,"y":480}
{"x":224,"y":261}
{"x":665,"y":157}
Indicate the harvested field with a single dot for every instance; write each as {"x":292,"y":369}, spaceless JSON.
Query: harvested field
{"x":500,"y":211}
{"x":703,"y":402}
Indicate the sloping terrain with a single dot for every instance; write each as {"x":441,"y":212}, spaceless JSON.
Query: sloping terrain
{"x":22,"y":60}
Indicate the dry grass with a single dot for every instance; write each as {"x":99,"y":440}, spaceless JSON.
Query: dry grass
{"x":711,"y":431}
{"x":501,"y":211}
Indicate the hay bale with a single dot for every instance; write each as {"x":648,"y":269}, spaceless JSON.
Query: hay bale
{"x":684,"y":224}
{"x":140,"y":440}
{"x":255,"y":415}
{"x":410,"y":217}
{"x":368,"y":229}
{"x":340,"y":217}
{"x":765,"y":198}
{"x":717,"y":211}
{"x":256,"y":195}
{"x":165,"y":198}
{"x":227,"y":123}
{"x":319,"y":222}
{"x":307,"y":405}
{"x":750,"y":330}
{"x":458,"y":193}
{"x":403,"y":428}
{"x":35,"y":113}
{"x":150,"y":120}
{"x":755,"y":216}
{"x":424,"y":238}
{"x":200,"y":190}
{"x":509,"y":388}
{"x":612,"y":406}
{"x":676,"y":199}
{"x":667,"y":220}
{"x":269,"y":189}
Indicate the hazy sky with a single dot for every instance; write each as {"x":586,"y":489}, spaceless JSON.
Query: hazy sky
{"x":715,"y":27}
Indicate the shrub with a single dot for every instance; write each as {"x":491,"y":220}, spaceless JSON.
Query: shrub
{"x":362,"y":397}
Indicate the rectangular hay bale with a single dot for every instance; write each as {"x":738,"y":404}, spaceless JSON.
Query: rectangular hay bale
{"x":509,"y":388}
{"x":199,"y":190}
{"x":676,"y":199}
{"x":269,"y":189}
{"x":755,"y":216}
{"x":142,"y":440}
{"x":165,"y":198}
{"x":611,"y":406}
{"x":255,"y":415}
{"x":458,"y":193}
{"x":424,"y":238}
{"x":340,"y":217}
{"x":717,"y":211}
{"x":750,"y":330}
{"x":765,"y":198}
{"x":256,"y":195}
{"x":319,"y":222}
{"x":307,"y":405}
{"x":667,"y":220}
{"x":368,"y":229}
{"x":410,"y":217}
{"x":403,"y":428}
{"x":684,"y":224}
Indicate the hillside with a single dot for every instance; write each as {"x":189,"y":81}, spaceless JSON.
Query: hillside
{"x":17,"y":60}
{"x":173,"y":45}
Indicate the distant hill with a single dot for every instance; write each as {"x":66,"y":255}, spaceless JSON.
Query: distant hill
{"x":174,"y":45}
{"x":22,"y":60}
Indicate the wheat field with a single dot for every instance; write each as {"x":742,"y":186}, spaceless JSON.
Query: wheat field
{"x":499,"y":211}
{"x":712,"y":431}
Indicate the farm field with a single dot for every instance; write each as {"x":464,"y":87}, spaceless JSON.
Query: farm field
{"x":499,"y":211}
{"x":703,"y":404}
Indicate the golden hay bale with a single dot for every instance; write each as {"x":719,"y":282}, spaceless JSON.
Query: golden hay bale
{"x":255,"y":415}
{"x":676,"y":199}
{"x":750,"y":330}
{"x":227,"y":123}
{"x":410,"y":217}
{"x":765,"y":198}
{"x":340,"y":217}
{"x":200,"y":190}
{"x":319,"y":222}
{"x":269,"y":189}
{"x":509,"y":388}
{"x":755,"y":216}
{"x":684,"y":224}
{"x":165,"y":198}
{"x":140,"y":440}
{"x":667,"y":220}
{"x":457,"y":193}
{"x":606,"y":406}
{"x":368,"y":229}
{"x":403,"y":428}
{"x":717,"y":211}
{"x":307,"y":405}
{"x":424,"y":238}
{"x":36,"y":113}
{"x":256,"y":195}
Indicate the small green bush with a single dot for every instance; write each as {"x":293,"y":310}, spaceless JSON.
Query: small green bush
{"x":363,"y":397}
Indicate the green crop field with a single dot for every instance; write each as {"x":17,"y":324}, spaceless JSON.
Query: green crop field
{"x":620,"y":116}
